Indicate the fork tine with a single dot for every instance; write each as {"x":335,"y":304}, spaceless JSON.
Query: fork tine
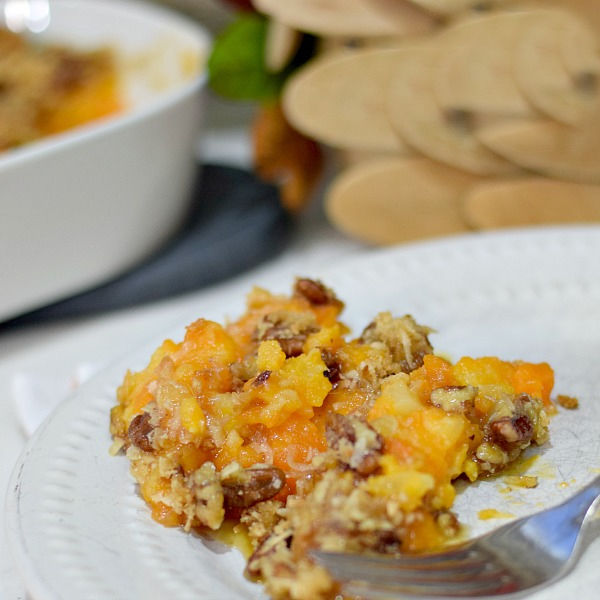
{"x":519,"y":556}
{"x":354,"y":563}
{"x":449,"y":558}
{"x":458,"y":589}
{"x":388,"y":571}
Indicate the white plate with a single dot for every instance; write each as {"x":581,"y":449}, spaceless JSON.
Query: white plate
{"x":78,"y":529}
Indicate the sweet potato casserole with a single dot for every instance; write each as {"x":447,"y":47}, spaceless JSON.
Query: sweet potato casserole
{"x":46,"y":89}
{"x":301,"y":438}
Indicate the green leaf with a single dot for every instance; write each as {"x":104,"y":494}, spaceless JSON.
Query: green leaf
{"x":236,"y":68}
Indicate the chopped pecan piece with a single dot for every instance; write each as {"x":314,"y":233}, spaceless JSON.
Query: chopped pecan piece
{"x":314,"y":291}
{"x":245,"y":487}
{"x":292,"y":345}
{"x":339,"y":428}
{"x":334,"y":368}
{"x":207,"y":505}
{"x":512,"y":430}
{"x":358,"y":444}
{"x":138,"y":432}
{"x":517,"y":422}
{"x":277,"y":542}
{"x":288,"y":328}
{"x":491,"y":454}
{"x":261,"y":378}
{"x":261,"y":518}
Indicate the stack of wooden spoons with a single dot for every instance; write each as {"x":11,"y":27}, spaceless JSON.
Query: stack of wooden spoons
{"x":445,"y":118}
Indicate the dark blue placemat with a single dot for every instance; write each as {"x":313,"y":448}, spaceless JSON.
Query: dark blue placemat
{"x":236,"y":221}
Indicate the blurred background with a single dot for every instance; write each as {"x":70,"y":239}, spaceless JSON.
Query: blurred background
{"x":158,"y":158}
{"x":374,"y":122}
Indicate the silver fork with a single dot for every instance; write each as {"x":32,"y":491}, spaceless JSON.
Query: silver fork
{"x":518,"y":558}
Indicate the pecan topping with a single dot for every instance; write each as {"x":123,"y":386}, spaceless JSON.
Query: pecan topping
{"x":406,"y":340}
{"x":358,"y":444}
{"x":334,"y":368}
{"x":339,"y":428}
{"x":261,"y":378}
{"x":510,"y":431}
{"x":245,"y":487}
{"x":269,"y":546}
{"x":288,"y":328}
{"x":138,"y":432}
{"x":292,"y":345}
{"x":314,"y":291}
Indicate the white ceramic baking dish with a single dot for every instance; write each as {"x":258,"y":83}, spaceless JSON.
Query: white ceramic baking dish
{"x":80,"y":207}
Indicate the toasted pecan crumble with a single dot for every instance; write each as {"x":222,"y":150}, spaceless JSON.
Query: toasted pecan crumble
{"x":307,"y":440}
{"x":139,"y":430}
